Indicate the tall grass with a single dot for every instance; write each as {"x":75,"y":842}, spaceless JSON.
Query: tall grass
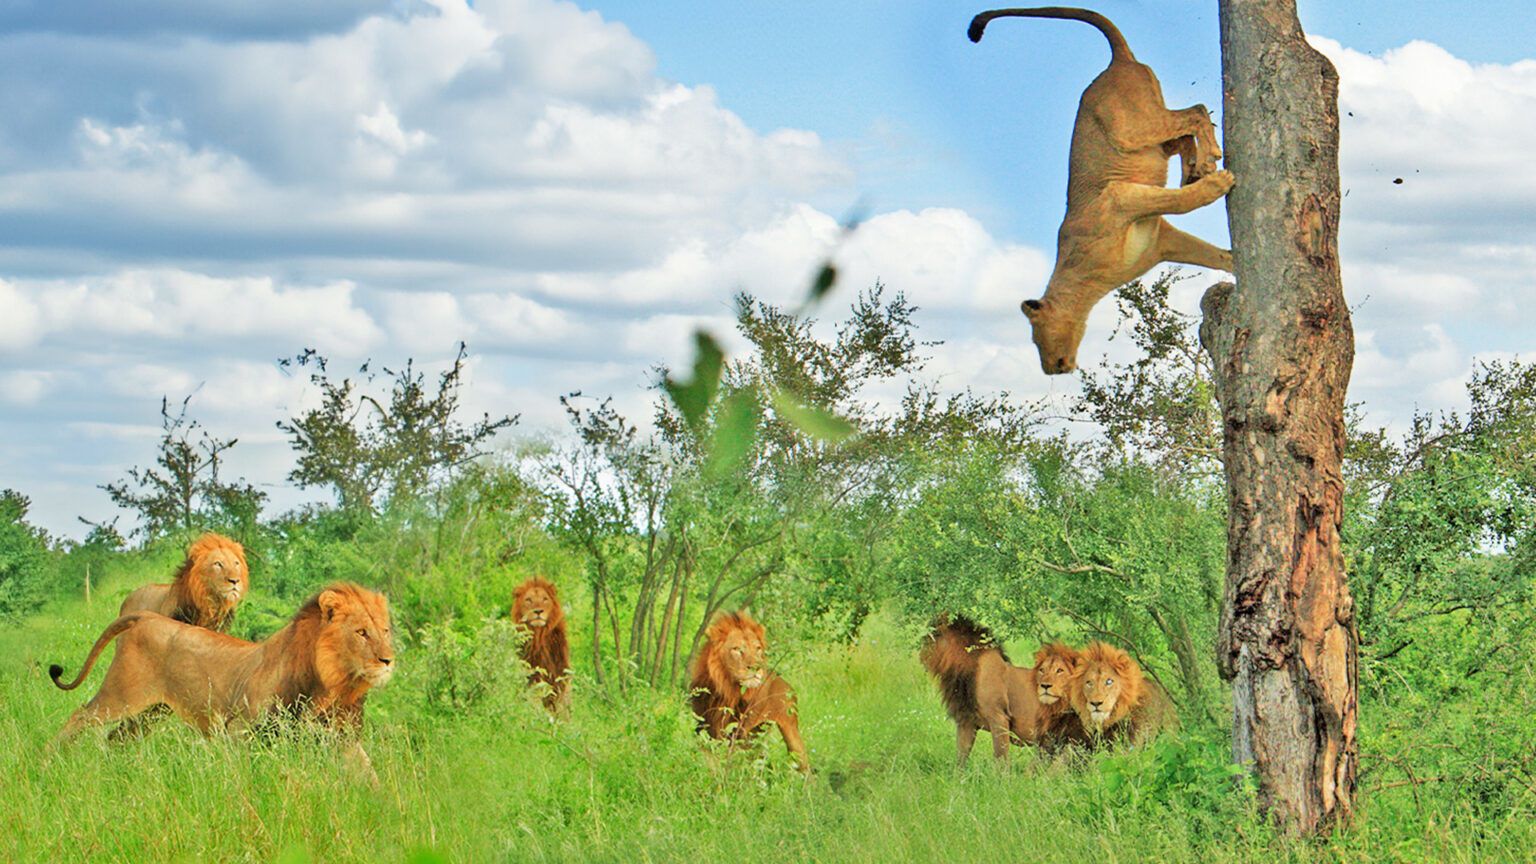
{"x":626,"y":779}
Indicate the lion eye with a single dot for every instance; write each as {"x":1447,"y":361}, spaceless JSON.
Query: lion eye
{"x":1108,"y":682}
{"x":363,"y":633}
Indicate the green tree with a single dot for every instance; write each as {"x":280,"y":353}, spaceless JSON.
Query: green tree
{"x":183,"y":491}
{"x":25,"y":567}
{"x":371,"y":452}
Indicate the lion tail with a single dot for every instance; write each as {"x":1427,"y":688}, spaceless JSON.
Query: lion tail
{"x":115,"y":629}
{"x":1119,"y":49}
{"x":952,"y":654}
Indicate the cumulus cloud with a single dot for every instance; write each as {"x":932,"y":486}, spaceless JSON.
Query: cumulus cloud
{"x":188,"y":195}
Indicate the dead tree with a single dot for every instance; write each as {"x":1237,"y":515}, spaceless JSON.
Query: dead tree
{"x":1282,"y":347}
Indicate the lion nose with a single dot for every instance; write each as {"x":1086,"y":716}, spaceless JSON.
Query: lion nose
{"x":1095,"y":704}
{"x":1044,"y":686}
{"x":386,"y":660}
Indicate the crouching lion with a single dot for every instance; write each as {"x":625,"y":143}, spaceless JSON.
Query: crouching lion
{"x":320,"y":665}
{"x":1117,"y":175}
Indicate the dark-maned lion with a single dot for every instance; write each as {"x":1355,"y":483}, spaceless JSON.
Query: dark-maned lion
{"x":734,"y":694}
{"x":320,"y":665}
{"x":207,"y":587}
{"x":1117,"y":175}
{"x":983,"y":690}
{"x":536,"y":609}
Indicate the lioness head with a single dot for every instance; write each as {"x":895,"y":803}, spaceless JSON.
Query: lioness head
{"x":738,"y":645}
{"x":355,"y":641}
{"x":536,"y":604}
{"x":1108,"y":686}
{"x":1055,"y":664}
{"x":216,"y":568}
{"x":1056,"y":333}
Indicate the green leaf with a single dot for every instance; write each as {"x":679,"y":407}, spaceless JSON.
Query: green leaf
{"x":735,"y":433}
{"x":694,"y":397}
{"x":819,"y":423}
{"x":825,"y":279}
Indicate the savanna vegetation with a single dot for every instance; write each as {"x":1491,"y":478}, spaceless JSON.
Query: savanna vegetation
{"x":823,"y":480}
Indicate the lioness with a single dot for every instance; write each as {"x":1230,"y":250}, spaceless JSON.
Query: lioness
{"x":1114,"y":230}
{"x":322,"y":664}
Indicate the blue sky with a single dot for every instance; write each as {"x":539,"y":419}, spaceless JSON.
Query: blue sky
{"x":197,"y":188}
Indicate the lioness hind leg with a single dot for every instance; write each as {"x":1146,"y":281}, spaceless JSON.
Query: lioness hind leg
{"x":1181,"y":248}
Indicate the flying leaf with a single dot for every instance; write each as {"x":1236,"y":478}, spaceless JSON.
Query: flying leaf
{"x":819,"y":423}
{"x":825,"y":279}
{"x":693,"y":397}
{"x":735,"y":432}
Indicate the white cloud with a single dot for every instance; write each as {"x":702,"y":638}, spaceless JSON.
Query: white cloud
{"x":517,"y":175}
{"x":19,"y":318}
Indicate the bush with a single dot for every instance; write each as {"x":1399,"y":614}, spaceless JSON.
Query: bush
{"x":459,"y":672}
{"x":26,"y":569}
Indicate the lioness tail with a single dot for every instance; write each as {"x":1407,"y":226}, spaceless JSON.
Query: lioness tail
{"x":115,"y":629}
{"x":1118,"y":47}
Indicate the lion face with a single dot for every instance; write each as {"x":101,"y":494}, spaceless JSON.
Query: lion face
{"x":1055,"y":666}
{"x":1101,"y":691}
{"x":536,"y":604}
{"x":1056,"y":336}
{"x":1107,"y":687}
{"x":357,"y":638}
{"x":223,"y":574}
{"x":743,"y":655}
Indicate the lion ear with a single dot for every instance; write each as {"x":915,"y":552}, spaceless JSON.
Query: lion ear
{"x":330,"y":601}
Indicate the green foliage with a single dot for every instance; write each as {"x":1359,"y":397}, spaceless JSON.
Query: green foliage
{"x":25,"y":567}
{"x":366,"y":450}
{"x":467,"y":671}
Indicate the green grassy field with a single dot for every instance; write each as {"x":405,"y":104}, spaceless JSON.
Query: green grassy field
{"x":626,"y":779}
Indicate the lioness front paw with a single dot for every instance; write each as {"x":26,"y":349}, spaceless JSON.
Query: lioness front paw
{"x":1223,"y":180}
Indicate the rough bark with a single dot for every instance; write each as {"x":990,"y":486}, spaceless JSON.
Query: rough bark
{"x":1282,"y":347}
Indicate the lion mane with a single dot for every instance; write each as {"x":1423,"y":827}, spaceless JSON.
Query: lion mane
{"x":321,"y":665}
{"x":728,"y":706}
{"x":1141,"y":708}
{"x":206,"y":589}
{"x":547,"y":651}
{"x":1057,"y":724}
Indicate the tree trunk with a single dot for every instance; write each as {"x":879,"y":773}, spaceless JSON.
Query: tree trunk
{"x":1282,"y":346}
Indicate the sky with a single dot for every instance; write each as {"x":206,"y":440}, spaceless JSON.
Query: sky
{"x":192,"y":189}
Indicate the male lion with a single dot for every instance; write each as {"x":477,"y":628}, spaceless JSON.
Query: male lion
{"x":322,"y":665}
{"x":1114,"y":230}
{"x":1114,"y":701}
{"x":982,"y":689}
{"x":734,"y":694}
{"x":210,"y":583}
{"x":536,"y":609}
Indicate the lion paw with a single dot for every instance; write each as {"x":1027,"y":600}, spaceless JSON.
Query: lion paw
{"x":1223,"y":180}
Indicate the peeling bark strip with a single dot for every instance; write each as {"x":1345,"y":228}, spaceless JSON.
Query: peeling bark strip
{"x":1283,"y":346}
